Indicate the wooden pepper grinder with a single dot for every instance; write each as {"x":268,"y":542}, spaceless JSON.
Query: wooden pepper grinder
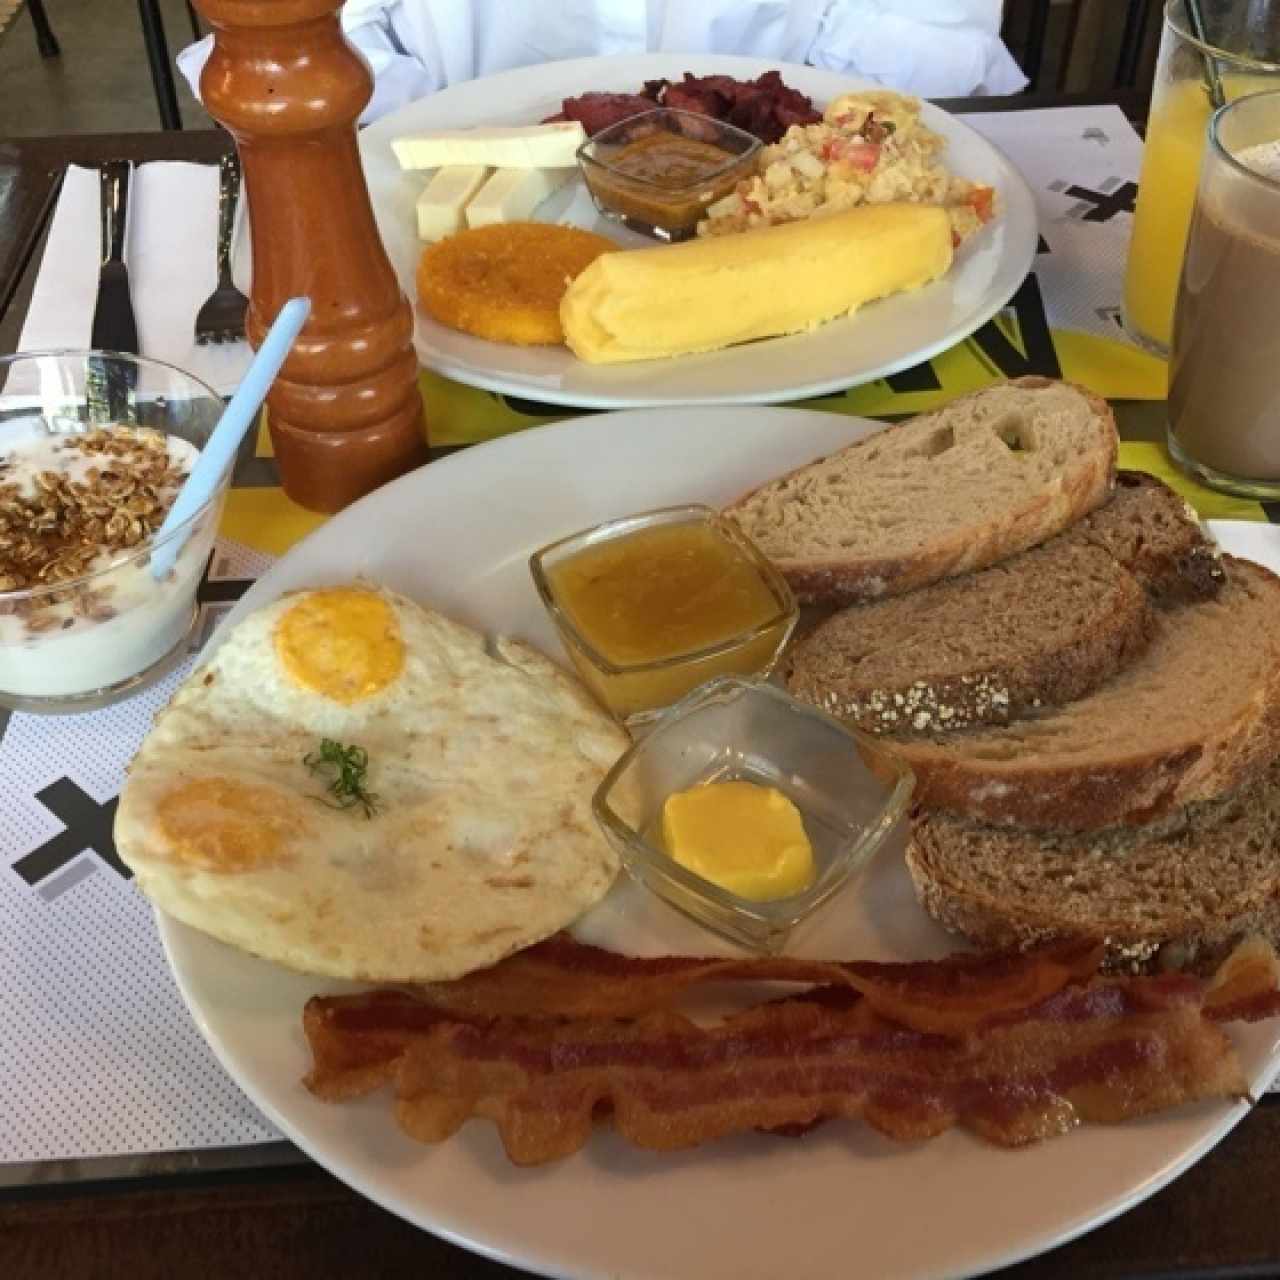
{"x":345,"y":413}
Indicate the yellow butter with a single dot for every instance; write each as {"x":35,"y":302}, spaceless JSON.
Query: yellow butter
{"x":707,"y":294}
{"x":746,"y":838}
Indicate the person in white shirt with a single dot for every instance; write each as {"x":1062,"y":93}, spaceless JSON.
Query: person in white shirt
{"x":934,"y":48}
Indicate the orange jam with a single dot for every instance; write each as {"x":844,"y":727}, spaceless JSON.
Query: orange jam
{"x":653,"y":601}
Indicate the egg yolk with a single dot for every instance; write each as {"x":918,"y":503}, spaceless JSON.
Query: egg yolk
{"x":747,"y":838}
{"x":219,"y":824}
{"x":343,"y":643}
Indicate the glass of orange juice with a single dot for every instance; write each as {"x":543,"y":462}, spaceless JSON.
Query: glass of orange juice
{"x":1244,"y":49}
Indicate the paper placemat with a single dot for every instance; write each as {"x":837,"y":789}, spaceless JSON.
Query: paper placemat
{"x":99,"y":1055}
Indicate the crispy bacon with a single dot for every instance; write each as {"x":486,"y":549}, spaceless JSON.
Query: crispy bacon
{"x":564,"y":978}
{"x":1034,"y":1046}
{"x":667,"y":1084}
{"x":355,"y":1040}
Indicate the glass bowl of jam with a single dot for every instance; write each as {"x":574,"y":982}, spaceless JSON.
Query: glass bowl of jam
{"x":652,"y":605}
{"x":747,"y":810}
{"x":657,"y":172}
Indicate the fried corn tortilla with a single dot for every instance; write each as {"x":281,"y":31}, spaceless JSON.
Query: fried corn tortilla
{"x":505,"y":282}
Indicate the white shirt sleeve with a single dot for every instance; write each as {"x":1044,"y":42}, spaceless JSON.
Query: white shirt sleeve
{"x":936,"y":48}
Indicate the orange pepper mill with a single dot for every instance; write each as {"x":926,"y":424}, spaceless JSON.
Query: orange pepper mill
{"x":345,"y":414}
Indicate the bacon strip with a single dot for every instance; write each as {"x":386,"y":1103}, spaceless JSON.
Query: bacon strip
{"x":355,"y":1040}
{"x":564,"y":978}
{"x":668,"y":1085}
{"x":875,"y":1042}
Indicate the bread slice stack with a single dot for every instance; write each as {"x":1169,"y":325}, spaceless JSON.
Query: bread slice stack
{"x":1089,"y":697}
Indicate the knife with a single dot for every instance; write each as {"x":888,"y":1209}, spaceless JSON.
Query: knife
{"x":113,"y":324}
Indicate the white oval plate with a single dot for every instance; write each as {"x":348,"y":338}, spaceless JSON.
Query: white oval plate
{"x":841,"y":1201}
{"x":881,"y":339}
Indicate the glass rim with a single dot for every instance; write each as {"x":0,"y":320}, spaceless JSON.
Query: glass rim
{"x":1221,"y":55}
{"x":62,"y":353}
{"x":148,"y":545}
{"x":1219,"y":147}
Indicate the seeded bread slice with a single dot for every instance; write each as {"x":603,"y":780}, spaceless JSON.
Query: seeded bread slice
{"x":1043,"y":628}
{"x":1196,"y":716}
{"x":1187,"y":887}
{"x":954,"y":490}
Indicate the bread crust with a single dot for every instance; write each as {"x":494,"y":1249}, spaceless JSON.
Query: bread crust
{"x":1084,"y":795}
{"x":1085,"y":485}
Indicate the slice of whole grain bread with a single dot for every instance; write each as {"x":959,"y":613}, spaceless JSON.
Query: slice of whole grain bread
{"x":1157,"y":536}
{"x":1185,"y":887}
{"x":1195,"y":716}
{"x":953,"y":490}
{"x":1043,"y":628}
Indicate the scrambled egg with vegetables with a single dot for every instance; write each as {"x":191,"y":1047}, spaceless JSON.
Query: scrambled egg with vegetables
{"x":869,"y":149}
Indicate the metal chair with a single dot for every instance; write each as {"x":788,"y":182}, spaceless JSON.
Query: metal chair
{"x":46,"y":41}
{"x":159,"y":61}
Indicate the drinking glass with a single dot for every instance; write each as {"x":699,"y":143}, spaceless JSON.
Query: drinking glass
{"x":78,"y":642}
{"x":1244,"y":47}
{"x":1224,"y":386}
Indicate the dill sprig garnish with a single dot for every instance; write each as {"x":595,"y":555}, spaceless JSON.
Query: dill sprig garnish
{"x":346,"y":769}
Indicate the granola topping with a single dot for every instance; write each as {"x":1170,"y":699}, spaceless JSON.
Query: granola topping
{"x":74,"y":504}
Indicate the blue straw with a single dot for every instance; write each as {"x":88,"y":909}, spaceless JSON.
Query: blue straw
{"x":237,"y":417}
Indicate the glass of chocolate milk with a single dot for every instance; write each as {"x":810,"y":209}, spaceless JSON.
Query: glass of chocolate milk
{"x":1224,"y":383}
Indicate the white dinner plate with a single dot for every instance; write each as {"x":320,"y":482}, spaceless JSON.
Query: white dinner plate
{"x":841,"y":1201}
{"x":881,"y":339}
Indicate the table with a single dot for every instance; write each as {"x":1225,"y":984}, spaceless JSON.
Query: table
{"x":268,"y":1212}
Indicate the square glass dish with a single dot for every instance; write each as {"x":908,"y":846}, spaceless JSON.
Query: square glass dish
{"x":850,"y":792}
{"x":657,"y":172}
{"x":652,"y":605}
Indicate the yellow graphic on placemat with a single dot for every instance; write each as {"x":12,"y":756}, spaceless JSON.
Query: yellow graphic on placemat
{"x":266,"y":520}
{"x":1116,"y":370}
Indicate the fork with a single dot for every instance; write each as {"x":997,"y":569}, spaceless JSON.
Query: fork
{"x":221,"y":318}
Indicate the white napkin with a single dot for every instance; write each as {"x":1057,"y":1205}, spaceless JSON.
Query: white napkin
{"x":172,"y":233}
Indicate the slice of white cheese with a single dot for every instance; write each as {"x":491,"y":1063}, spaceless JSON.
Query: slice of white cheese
{"x":441,"y":205}
{"x":533,"y":146}
{"x":511,"y":195}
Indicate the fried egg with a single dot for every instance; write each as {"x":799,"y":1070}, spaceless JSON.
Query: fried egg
{"x":458,"y":831}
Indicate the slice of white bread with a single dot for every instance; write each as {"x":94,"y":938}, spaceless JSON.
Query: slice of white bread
{"x":1185,"y":887}
{"x":969,"y":651}
{"x":1196,"y":716}
{"x":957,"y":489}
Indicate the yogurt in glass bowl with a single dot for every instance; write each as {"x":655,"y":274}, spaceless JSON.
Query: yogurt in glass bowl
{"x":94,"y":447}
